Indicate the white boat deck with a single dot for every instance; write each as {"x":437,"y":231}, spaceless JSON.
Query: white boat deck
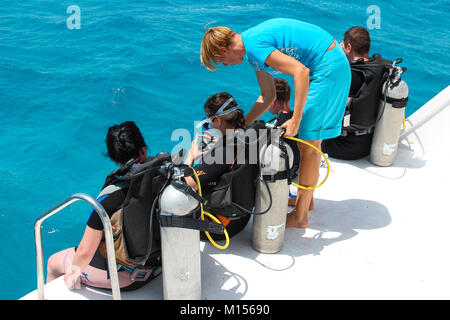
{"x":375,"y":233}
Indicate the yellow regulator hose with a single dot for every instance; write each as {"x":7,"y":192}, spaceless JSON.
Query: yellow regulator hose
{"x":328,"y":164}
{"x":203,"y":213}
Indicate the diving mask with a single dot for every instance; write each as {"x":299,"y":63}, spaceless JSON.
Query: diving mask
{"x":207,"y":120}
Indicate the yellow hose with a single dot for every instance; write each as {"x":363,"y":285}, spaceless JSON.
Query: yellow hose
{"x":328,"y":164}
{"x":202,"y":216}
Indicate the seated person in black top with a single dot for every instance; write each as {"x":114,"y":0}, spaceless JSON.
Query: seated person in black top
{"x":353,"y":145}
{"x":281,"y":108}
{"x":124,"y":142}
{"x":222,"y":114}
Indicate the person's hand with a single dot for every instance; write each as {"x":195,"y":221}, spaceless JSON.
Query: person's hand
{"x":210,"y":136}
{"x":194,"y":151}
{"x":72,"y":278}
{"x":291,"y":127}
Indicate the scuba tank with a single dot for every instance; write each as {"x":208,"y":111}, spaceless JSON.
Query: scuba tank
{"x":272,"y":191}
{"x":180,"y":249}
{"x":179,"y":213}
{"x":390,"y":116}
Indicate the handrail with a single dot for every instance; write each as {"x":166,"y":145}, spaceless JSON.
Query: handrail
{"x":111,"y":255}
{"x":430,"y":109}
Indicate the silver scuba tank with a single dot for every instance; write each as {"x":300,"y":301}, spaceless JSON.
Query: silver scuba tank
{"x":390,"y":114}
{"x":268,"y":228}
{"x":180,"y":248}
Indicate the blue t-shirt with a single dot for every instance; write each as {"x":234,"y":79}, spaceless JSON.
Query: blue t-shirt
{"x":303,"y":41}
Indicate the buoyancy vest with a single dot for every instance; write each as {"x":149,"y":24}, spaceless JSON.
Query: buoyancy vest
{"x":116,"y":179}
{"x":234,"y":194}
{"x":362,"y":108}
{"x":135,"y":229}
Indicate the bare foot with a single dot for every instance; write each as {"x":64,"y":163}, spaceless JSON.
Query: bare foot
{"x":294,"y":221}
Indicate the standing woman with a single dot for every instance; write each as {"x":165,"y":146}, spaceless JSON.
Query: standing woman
{"x":321,"y":84}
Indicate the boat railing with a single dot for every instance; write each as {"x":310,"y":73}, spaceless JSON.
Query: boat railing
{"x":425,"y":113}
{"x":111,"y":256}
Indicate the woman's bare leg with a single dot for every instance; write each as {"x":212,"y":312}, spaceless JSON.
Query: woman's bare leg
{"x":308,"y":177}
{"x":59,"y":263}
{"x":293,"y":201}
{"x":56,"y":264}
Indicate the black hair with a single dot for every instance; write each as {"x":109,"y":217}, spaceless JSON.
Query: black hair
{"x":124,"y":141}
{"x":213,"y":104}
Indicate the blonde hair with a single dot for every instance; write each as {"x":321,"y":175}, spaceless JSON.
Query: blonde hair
{"x":215,"y":41}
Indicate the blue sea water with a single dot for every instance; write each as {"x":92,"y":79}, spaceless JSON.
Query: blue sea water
{"x":61,"y":88}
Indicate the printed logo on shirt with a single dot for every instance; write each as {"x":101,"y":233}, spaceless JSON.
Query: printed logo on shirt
{"x":257,"y":67}
{"x":291,"y":52}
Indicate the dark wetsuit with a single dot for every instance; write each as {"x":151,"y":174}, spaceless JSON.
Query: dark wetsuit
{"x":209,"y":172}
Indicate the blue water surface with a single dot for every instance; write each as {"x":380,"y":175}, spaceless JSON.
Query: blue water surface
{"x":61,"y":88}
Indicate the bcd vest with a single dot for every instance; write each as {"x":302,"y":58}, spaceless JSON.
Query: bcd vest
{"x":135,"y":228}
{"x":234,"y":194}
{"x":362,"y":107}
{"x":235,"y":191}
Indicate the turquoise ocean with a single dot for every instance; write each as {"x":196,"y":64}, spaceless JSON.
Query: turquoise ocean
{"x":62,"y":87}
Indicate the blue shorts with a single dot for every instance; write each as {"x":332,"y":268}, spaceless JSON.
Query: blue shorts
{"x":329,"y":85}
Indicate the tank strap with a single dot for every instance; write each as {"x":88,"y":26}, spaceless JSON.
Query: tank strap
{"x":169,"y":220}
{"x":356,"y":132}
{"x":397,"y":103}
{"x":286,"y":174}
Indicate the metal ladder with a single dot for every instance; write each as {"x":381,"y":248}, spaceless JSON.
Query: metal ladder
{"x":111,"y":255}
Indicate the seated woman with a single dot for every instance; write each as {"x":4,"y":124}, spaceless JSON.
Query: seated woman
{"x":222,"y":114}
{"x":85,"y":262}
